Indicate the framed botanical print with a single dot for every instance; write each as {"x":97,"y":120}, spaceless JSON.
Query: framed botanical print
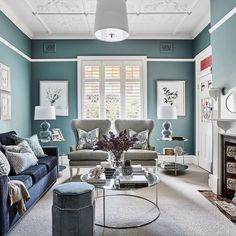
{"x":55,"y":93}
{"x":5,"y":78}
{"x":171,"y":93}
{"x":5,"y":108}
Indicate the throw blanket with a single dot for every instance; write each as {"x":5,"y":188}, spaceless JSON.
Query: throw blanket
{"x":18,"y":194}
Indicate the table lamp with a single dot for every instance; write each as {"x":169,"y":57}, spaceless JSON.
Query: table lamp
{"x":45,"y":113}
{"x":167,"y":113}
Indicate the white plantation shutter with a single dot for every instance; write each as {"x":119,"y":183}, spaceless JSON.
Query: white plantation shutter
{"x":112,"y":89}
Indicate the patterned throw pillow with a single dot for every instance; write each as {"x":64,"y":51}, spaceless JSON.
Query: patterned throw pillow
{"x":4,"y":165}
{"x":34,"y":144}
{"x":87,"y":140}
{"x":20,"y":157}
{"x":142,"y":137}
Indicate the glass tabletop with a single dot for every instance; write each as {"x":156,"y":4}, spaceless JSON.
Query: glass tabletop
{"x":110,"y":183}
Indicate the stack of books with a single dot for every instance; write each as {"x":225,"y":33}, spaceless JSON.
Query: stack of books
{"x":98,"y":181}
{"x":168,"y":165}
{"x":138,"y":170}
{"x":109,"y":172}
{"x":136,"y":181}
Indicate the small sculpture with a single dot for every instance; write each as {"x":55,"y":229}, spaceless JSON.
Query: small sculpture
{"x":96,"y":172}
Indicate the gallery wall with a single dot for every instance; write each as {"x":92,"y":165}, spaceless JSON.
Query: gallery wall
{"x":184,"y":126}
{"x":20,"y":77}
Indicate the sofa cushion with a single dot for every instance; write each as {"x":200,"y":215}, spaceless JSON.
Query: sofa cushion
{"x":88,"y":155}
{"x":34,"y":144}
{"x":142,"y":137}
{"x":7,"y":139}
{"x":36,"y":172}
{"x":87,"y":140}
{"x":4,"y":165}
{"x":20,"y":157}
{"x":26,"y":179}
{"x":49,"y":161}
{"x":139,"y":154}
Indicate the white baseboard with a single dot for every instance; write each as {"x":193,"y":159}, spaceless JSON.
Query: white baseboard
{"x":188,"y":159}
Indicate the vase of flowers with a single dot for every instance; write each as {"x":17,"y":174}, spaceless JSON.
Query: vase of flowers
{"x":116,"y":145}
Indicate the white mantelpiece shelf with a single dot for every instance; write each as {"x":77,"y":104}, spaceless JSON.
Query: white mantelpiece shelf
{"x":225,"y":124}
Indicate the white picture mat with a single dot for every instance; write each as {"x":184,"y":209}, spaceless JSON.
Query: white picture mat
{"x":5,"y":109}
{"x":61,"y":104}
{"x":5,"y":78}
{"x":173,"y":86}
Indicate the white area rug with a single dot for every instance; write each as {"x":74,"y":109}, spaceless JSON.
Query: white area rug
{"x":184,"y":211}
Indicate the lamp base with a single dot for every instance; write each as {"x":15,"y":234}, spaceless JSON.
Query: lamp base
{"x":45,"y":134}
{"x":166,"y":132}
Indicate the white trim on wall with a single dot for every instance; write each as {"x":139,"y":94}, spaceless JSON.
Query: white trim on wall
{"x":222,"y":20}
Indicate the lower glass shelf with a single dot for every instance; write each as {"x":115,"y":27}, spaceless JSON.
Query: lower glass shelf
{"x":172,"y":166}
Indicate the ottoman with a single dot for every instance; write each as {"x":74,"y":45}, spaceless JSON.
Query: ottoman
{"x":73,"y":209}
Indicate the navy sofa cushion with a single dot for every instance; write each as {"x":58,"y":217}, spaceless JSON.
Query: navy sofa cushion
{"x":26,"y":179}
{"x":49,"y":161}
{"x":36,"y":172}
{"x":7,"y":139}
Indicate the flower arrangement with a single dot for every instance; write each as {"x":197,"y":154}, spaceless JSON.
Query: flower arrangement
{"x":116,"y":144}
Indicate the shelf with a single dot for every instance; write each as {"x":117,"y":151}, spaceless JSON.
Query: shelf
{"x":225,"y":124}
{"x":173,"y":166}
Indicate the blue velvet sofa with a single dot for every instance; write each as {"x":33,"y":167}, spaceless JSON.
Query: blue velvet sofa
{"x":38,"y":179}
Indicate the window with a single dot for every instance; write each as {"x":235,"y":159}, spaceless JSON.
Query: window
{"x":112,"y":88}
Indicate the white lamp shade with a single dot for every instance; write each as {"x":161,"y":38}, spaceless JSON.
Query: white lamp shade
{"x":111,"y":22}
{"x":167,"y":113}
{"x":44,"y":113}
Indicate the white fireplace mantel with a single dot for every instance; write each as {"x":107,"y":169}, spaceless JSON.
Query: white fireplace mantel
{"x":225,"y":124}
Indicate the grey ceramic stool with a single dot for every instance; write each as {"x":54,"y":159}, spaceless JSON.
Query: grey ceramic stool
{"x":73,"y":210}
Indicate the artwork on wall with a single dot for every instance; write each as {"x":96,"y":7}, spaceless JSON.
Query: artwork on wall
{"x":171,"y":93}
{"x":5,"y":95}
{"x":5,"y":99}
{"x":55,"y":93}
{"x":5,"y":78}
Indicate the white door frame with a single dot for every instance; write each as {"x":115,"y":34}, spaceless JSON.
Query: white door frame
{"x":204,"y":52}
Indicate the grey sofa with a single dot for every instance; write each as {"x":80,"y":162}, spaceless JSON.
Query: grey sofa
{"x":88,"y":157}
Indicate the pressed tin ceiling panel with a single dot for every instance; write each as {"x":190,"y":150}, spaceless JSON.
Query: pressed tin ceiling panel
{"x":75,"y":18}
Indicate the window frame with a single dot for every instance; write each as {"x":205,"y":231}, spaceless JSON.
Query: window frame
{"x":122,"y":60}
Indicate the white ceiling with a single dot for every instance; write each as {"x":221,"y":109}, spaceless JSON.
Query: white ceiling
{"x":148,"y":19}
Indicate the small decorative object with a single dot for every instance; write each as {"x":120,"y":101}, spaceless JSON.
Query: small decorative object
{"x":168,"y":151}
{"x":57,"y":135}
{"x":96,"y":172}
{"x":179,"y":138}
{"x":167,"y":113}
{"x":171,"y":93}
{"x":45,"y":113}
{"x":126,"y":168}
{"x":55,"y":93}
{"x":178,"y":151}
{"x":116,"y":145}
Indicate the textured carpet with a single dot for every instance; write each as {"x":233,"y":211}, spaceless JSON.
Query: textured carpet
{"x":184,"y":211}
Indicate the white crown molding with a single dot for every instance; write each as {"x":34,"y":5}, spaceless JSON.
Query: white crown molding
{"x":201,"y":26}
{"x":222,"y":20}
{"x":9,"y":45}
{"x":10,"y":15}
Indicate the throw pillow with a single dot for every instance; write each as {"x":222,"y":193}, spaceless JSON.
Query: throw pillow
{"x":87,"y":140}
{"x":34,"y":144}
{"x":4,"y":165}
{"x":142,"y":137}
{"x":20,"y":157}
{"x":7,"y":139}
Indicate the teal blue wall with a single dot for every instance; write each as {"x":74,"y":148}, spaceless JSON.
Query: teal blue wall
{"x":156,"y":70}
{"x":223,"y":45}
{"x":20,"y":77}
{"x":202,"y":41}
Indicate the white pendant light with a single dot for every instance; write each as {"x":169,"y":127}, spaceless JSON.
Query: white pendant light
{"x":111,"y":22}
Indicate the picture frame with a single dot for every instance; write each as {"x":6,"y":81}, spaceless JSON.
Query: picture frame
{"x":57,"y":135}
{"x":168,"y":151}
{"x":5,"y":78}
{"x":5,"y":106}
{"x":171,"y":93}
{"x":55,"y":93}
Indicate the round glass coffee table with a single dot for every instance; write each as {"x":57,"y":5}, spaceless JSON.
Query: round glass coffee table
{"x":153,"y":181}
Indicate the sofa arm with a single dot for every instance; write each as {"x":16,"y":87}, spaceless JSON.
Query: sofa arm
{"x":72,"y":148}
{"x":51,"y":151}
{"x":4,"y":205}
